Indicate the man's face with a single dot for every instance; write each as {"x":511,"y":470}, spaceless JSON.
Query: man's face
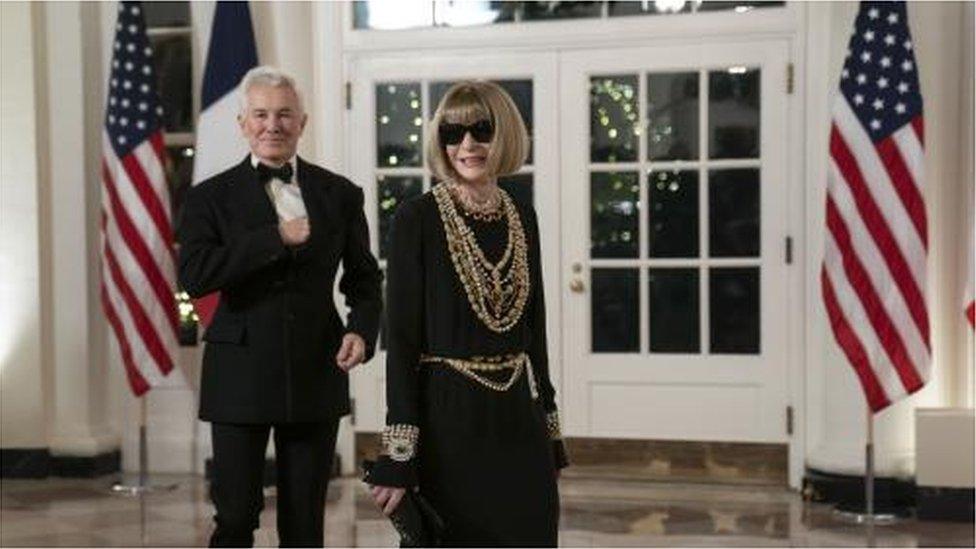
{"x":273,"y":123}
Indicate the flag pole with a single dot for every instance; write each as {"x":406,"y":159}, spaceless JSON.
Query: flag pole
{"x":867,"y":514}
{"x":143,"y":445}
{"x":142,"y":484}
{"x":869,"y":476}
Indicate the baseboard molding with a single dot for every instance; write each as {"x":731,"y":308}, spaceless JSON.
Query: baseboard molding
{"x":949,"y":504}
{"x":891,"y":495}
{"x":664,"y":460}
{"x":25,"y":463}
{"x":86,"y":467}
{"x":679,"y":461}
{"x":39,"y":463}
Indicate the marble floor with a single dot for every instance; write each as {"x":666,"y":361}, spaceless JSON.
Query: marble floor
{"x":602,"y":513}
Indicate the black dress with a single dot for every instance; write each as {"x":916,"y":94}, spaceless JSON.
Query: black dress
{"x":486,"y":459}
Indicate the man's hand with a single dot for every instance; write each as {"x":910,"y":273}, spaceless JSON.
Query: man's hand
{"x":387,"y":497}
{"x":294,"y":232}
{"x":352,"y":352}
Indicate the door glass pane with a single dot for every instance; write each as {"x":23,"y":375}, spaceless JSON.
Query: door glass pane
{"x":672,"y":113}
{"x":615,"y":313}
{"x":614,"y":207}
{"x":614,"y":122}
{"x":733,"y":113}
{"x":171,"y":63}
{"x":734,"y":310}
{"x":630,"y":7}
{"x":519,"y":186}
{"x":392,"y":14}
{"x":545,"y":11}
{"x":399,"y":125}
{"x":393,"y":191}
{"x":733,"y":213}
{"x":179,"y":174}
{"x":739,"y":6}
{"x":672,"y":214}
{"x":469,"y":13}
{"x":674,"y":304}
{"x":166,"y":14}
{"x":519,"y":90}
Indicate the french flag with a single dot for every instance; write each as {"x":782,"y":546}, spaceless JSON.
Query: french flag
{"x":220,"y":145}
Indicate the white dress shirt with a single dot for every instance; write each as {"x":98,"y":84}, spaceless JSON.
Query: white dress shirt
{"x":286,"y":197}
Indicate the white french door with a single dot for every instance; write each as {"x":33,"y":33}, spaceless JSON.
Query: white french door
{"x":673,"y":278}
{"x":660,"y":179}
{"x":393,"y":99}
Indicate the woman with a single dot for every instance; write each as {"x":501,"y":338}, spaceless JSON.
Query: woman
{"x":471,"y":412}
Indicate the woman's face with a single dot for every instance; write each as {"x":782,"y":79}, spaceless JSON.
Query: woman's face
{"x":469,"y":158}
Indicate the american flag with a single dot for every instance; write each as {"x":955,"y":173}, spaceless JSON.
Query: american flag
{"x":138,"y":272}
{"x":874,"y":270}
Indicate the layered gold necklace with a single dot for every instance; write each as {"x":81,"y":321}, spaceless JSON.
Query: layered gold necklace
{"x":497,"y":291}
{"x":489,"y":209}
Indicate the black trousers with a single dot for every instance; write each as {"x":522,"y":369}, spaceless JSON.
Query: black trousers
{"x":303,"y":461}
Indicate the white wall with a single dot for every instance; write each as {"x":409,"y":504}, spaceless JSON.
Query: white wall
{"x":22,"y":403}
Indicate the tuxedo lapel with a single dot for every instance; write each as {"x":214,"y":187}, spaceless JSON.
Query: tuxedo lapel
{"x":319,"y":202}
{"x":251,"y":196}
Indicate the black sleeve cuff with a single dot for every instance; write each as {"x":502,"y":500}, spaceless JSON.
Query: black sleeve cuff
{"x":399,"y":474}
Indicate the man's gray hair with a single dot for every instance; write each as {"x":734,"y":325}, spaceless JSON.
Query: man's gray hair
{"x":266,"y":75}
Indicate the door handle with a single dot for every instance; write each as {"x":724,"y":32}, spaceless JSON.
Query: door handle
{"x":577,"y":286}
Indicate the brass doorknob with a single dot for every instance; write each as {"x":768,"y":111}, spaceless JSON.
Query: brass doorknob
{"x":577,"y":286}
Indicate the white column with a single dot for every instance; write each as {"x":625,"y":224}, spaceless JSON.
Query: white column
{"x":22,"y":414}
{"x":78,"y":418}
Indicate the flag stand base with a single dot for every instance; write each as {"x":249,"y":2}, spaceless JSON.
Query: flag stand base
{"x":860,"y":517}
{"x":141,"y":486}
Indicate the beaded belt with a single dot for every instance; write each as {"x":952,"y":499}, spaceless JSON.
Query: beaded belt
{"x":476,"y":366}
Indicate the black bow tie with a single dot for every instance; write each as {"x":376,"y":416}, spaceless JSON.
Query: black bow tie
{"x":267,"y":173}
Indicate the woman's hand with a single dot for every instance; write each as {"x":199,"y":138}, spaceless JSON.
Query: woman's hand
{"x":387,"y":497}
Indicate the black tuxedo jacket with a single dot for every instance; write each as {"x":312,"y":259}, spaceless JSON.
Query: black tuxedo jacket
{"x":270,"y":354}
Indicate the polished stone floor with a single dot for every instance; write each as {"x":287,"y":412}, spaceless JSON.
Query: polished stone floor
{"x":73,"y":512}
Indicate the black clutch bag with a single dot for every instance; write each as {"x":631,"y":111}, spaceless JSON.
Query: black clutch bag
{"x":415,"y":519}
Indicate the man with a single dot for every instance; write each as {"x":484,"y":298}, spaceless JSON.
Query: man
{"x":269,"y":235}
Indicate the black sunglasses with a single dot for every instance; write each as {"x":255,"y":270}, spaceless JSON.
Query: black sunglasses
{"x":452,"y":134}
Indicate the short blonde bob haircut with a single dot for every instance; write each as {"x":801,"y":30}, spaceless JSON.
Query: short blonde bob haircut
{"x":467,"y":102}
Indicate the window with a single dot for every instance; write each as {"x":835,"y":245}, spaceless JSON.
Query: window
{"x":701,"y":202}
{"x":405,"y":14}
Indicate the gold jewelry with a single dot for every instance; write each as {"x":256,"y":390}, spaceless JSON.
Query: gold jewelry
{"x":488,"y":209}
{"x":400,"y":441}
{"x":473,"y":367}
{"x":552,"y":425}
{"x":497,"y":292}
